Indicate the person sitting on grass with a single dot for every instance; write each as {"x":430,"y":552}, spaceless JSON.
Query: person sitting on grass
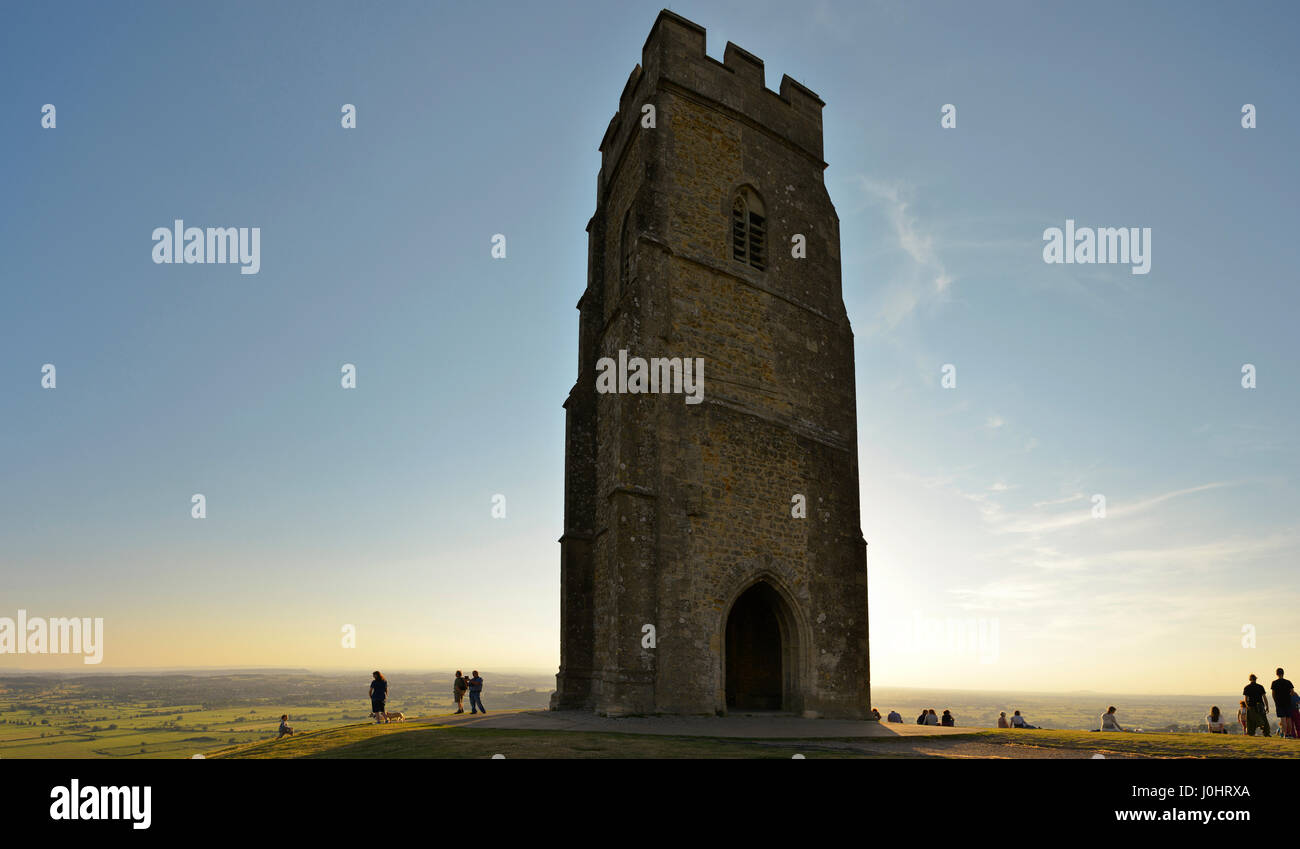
{"x":875,"y":714}
{"x":1214,"y":722}
{"x":1002,"y":720}
{"x":285,"y":730}
{"x":947,"y":720}
{"x":1109,"y":722}
{"x":1018,"y":721}
{"x":895,"y":716}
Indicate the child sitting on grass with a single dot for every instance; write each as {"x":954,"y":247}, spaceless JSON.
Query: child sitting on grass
{"x":285,"y":730}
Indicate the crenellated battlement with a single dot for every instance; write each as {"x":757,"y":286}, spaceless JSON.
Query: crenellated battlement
{"x":674,"y":59}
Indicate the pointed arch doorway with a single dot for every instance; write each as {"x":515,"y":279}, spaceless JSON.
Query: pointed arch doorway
{"x":761,"y":651}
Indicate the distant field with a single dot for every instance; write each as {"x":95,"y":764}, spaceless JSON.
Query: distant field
{"x":179,"y":716}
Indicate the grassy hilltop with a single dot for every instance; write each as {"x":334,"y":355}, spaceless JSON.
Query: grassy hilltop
{"x":234,"y":713}
{"x":438,"y":738}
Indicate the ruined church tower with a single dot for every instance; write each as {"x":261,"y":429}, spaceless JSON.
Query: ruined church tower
{"x":712,"y":557}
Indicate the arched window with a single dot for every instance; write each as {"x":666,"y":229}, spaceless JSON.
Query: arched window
{"x":627,"y":245}
{"x":749,"y":229}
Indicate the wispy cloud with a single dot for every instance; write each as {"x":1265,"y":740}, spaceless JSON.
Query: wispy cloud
{"x":1036,"y":521}
{"x":928,"y":279}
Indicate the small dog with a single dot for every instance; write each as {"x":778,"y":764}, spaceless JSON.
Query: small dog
{"x":393,"y":716}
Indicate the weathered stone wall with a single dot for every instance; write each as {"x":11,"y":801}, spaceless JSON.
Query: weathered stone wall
{"x":672,"y":510}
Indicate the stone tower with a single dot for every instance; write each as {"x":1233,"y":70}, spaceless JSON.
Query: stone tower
{"x":683,"y":516}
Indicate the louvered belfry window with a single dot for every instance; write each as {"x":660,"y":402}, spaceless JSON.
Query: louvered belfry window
{"x":749,"y":230}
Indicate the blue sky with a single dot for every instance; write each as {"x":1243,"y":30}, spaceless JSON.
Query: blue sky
{"x":371,"y":506}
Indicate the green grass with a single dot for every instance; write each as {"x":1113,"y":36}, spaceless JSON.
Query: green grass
{"x":1152,"y":745}
{"x":431,"y":739}
{"x":417,"y":740}
{"x":144,"y":731}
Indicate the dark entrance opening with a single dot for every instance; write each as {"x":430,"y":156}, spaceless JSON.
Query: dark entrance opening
{"x":754,"y":651}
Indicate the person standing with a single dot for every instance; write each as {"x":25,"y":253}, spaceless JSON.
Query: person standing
{"x":476,"y":693}
{"x":458,"y":691}
{"x":378,"y":696}
{"x":1242,"y":715}
{"x":1282,"y":702}
{"x":1256,"y":707}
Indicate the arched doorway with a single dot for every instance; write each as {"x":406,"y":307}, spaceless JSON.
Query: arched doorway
{"x":757,"y":651}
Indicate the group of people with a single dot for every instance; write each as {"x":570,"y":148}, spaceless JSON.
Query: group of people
{"x":1253,"y":712}
{"x":927,"y":717}
{"x":472,"y":684}
{"x":1016,"y":721}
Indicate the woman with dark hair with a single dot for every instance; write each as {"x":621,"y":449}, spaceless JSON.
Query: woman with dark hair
{"x":1214,"y":722}
{"x":947,"y":719}
{"x":378,"y":695}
